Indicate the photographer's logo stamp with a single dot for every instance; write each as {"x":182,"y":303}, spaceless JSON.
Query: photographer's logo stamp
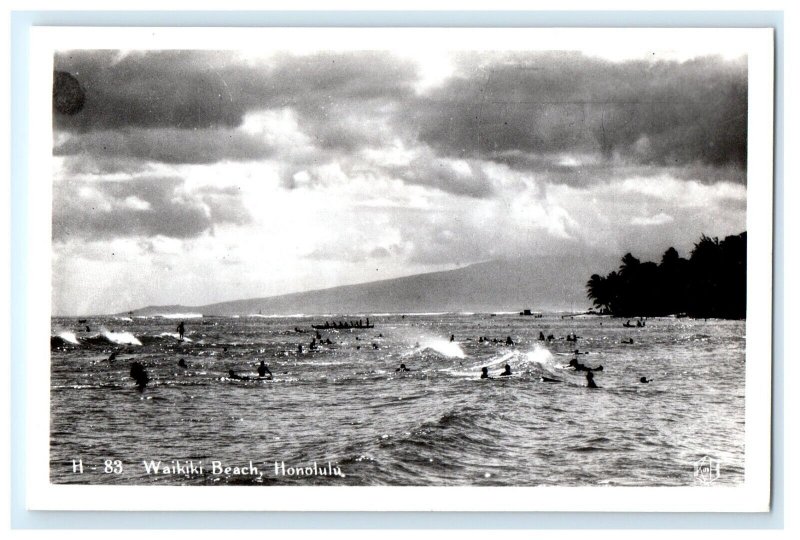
{"x":706,"y":470}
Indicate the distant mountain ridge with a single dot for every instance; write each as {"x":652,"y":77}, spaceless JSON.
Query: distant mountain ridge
{"x":546,"y":284}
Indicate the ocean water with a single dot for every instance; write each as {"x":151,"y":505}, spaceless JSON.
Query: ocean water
{"x":344,"y":408}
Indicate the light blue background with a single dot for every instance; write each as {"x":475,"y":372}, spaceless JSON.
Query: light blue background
{"x":20,"y":190}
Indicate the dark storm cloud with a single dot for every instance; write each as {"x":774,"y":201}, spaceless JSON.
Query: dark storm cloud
{"x":532,"y":112}
{"x":92,"y":210}
{"x":184,"y":106}
{"x":185,"y":89}
{"x":202,"y":89}
{"x":469,"y":179}
{"x":654,"y":113}
{"x":552,"y":169}
{"x":167,"y":145}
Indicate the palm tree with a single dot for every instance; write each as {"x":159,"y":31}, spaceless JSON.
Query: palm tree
{"x":597,"y":291}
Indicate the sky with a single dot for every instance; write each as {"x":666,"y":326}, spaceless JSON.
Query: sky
{"x":193,"y":177}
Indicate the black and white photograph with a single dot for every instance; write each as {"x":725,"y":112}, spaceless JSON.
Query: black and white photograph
{"x":429,"y":261}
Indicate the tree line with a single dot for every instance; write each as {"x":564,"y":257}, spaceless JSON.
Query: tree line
{"x":711,"y":283}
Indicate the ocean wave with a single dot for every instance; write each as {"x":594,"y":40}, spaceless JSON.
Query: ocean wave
{"x":121,"y":338}
{"x":173,"y":335}
{"x":446,"y":348}
{"x":69,"y":337}
{"x":58,"y":341}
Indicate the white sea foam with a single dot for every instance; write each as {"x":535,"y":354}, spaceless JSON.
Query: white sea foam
{"x":502,"y":359}
{"x":121,"y":338}
{"x":541,"y":356}
{"x":126,"y":319}
{"x":444,"y":347}
{"x":69,"y":336}
{"x":173,"y":335}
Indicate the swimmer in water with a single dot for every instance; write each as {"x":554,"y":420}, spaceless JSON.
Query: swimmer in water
{"x":402,"y":368}
{"x":452,"y":337}
{"x":485,"y":373}
{"x":644,"y":380}
{"x":509,"y":341}
{"x":182,"y":363}
{"x":113,"y":356}
{"x":590,"y":380}
{"x":181,"y":329}
{"x":577,"y":366}
{"x":263,"y":370}
{"x":233,"y":375}
{"x":507,"y":372}
{"x":139,"y":374}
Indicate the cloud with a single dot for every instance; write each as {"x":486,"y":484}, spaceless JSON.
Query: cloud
{"x":205,"y":89}
{"x":166,"y":145}
{"x":146,"y":207}
{"x":559,"y":116}
{"x":658,"y":219}
{"x":648,"y":113}
{"x":456,"y":176}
